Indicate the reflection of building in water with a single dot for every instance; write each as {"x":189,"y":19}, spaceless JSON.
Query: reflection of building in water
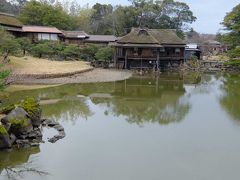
{"x":145,"y":99}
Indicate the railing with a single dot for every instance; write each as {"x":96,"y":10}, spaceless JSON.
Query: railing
{"x":151,"y":57}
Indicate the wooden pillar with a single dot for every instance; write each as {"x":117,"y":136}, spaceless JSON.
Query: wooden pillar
{"x":158,"y":60}
{"x":115,"y":57}
{"x":126,"y":58}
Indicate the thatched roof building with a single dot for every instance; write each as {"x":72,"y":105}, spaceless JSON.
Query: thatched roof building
{"x":9,"y":20}
{"x":149,"y":48}
{"x":10,"y":23}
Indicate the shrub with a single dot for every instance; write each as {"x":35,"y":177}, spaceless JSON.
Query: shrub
{"x":89,"y":51}
{"x":71,"y":51}
{"x":40,"y":49}
{"x":25,"y":44}
{"x":3,"y":75}
{"x":233,"y":63}
{"x":104,"y":54}
{"x":234,"y":53}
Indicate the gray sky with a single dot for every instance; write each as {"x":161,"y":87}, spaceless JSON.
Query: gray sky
{"x":209,"y":13}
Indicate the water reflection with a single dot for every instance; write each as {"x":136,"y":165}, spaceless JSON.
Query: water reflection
{"x":67,"y":109}
{"x":160,"y":99}
{"x":148,"y":100}
{"x":231,"y":95}
{"x":15,"y":164}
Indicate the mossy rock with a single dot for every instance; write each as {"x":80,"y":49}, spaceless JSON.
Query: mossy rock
{"x":3,"y":131}
{"x":19,"y":123}
{"x":32,"y":107}
{"x":5,"y":141}
{"x":7,"y":109}
{"x":20,"y":126}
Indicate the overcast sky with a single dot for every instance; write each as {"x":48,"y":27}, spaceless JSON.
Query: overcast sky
{"x":209,"y":13}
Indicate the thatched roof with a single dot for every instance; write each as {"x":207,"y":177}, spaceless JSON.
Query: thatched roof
{"x":9,"y":20}
{"x":75,"y":34}
{"x":151,"y":36}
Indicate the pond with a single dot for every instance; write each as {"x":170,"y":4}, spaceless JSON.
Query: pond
{"x":168,"y":127}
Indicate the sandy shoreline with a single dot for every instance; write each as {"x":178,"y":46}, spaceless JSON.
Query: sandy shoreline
{"x":95,"y":75}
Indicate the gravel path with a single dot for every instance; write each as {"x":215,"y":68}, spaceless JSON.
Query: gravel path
{"x":95,"y":75}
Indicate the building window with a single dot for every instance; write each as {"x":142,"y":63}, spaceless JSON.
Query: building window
{"x":46,"y":36}
{"x":162,"y":49}
{"x":53,"y":37}
{"x":177,"y":51}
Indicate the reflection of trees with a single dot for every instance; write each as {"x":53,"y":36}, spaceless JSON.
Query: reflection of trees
{"x":16,"y":164}
{"x":148,"y":99}
{"x":67,"y":109}
{"x":163,"y":110}
{"x":230,"y":99}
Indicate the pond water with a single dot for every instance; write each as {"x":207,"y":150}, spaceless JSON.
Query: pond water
{"x":184,"y":127}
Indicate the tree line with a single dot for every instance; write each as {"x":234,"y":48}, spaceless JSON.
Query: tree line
{"x":103,"y":18}
{"x":231,"y":36}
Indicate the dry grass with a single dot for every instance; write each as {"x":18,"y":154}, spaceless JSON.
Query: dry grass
{"x":35,"y":66}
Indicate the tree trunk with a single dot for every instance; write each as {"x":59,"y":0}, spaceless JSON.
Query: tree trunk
{"x":5,"y":58}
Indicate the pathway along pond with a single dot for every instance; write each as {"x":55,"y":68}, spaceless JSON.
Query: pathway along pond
{"x":143,"y":128}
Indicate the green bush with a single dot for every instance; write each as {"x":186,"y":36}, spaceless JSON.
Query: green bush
{"x":233,"y":63}
{"x":89,"y":51}
{"x":3,"y":75}
{"x":104,"y":54}
{"x":71,"y":51}
{"x":24,"y":44}
{"x":234,"y":53}
{"x":41,"y":49}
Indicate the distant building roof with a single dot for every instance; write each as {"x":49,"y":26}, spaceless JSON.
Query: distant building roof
{"x":151,"y":36}
{"x":75,"y":34}
{"x":101,"y":38}
{"x":41,"y":29}
{"x":213,"y":42}
{"x":9,"y":20}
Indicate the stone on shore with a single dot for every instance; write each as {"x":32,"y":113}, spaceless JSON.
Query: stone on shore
{"x":5,"y":141}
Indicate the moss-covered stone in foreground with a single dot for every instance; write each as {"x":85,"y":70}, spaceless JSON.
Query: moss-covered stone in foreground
{"x":7,"y":109}
{"x":3,"y":131}
{"x":30,"y":105}
{"x":19,"y":123}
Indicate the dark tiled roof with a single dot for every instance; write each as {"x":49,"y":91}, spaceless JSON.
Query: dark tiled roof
{"x":41,"y":29}
{"x":75,"y":34}
{"x":9,"y":20}
{"x":151,"y":36}
{"x":101,"y":38}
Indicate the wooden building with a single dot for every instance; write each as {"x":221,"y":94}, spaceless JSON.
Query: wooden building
{"x":38,"y":33}
{"x":103,"y":40}
{"x":74,"y":37}
{"x":80,"y":37}
{"x":149,"y":48}
{"x":11,"y":24}
{"x":192,"y":51}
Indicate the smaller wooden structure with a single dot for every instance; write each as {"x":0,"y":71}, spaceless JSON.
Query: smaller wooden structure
{"x":191,"y":51}
{"x":74,"y":37}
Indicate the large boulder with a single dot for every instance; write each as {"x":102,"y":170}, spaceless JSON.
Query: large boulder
{"x":5,"y":141}
{"x":32,"y":107}
{"x":17,"y":122}
{"x":20,"y":127}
